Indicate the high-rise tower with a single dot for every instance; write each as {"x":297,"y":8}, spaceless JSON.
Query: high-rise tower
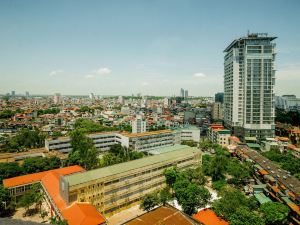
{"x":249,"y":79}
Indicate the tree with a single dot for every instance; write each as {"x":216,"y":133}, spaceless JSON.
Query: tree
{"x":218,"y":167}
{"x":171,"y":175}
{"x":190,"y":143}
{"x":239,"y":171}
{"x":150,"y":201}
{"x":38,"y":164}
{"x":193,"y":197}
{"x":27,"y":200}
{"x":231,"y":199}
{"x":275,"y":213}
{"x":83,"y":151}
{"x":8,"y":170}
{"x":195,"y":175}
{"x":57,"y":221}
{"x":165,"y":195}
{"x":6,"y":203}
{"x":243,"y":216}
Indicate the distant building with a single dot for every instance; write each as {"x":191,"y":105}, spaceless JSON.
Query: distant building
{"x":219,"y":97}
{"x":57,"y":98}
{"x":249,"y":81}
{"x":287,"y":102}
{"x":182,"y":92}
{"x":217,"y":111}
{"x":92,"y":96}
{"x":13,"y":93}
{"x":166,"y":102}
{"x":27,"y":94}
{"x":121,"y":100}
{"x":139,"y":125}
{"x":186,"y":94}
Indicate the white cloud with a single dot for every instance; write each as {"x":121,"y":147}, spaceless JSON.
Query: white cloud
{"x":199,"y":75}
{"x":89,"y":76}
{"x":103,"y":71}
{"x":55,"y":72}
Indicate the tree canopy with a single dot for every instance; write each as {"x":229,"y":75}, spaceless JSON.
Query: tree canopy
{"x":275,"y":213}
{"x":83,"y":151}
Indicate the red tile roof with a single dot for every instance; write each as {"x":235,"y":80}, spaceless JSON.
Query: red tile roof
{"x":209,"y":217}
{"x":78,"y":213}
{"x":35,"y":177}
{"x":83,"y":214}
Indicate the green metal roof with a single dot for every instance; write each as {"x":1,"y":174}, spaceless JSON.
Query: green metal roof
{"x":188,"y":127}
{"x":166,"y":149}
{"x":287,"y":200}
{"x":78,"y":178}
{"x":253,"y":145}
{"x":262,"y":198}
{"x":250,"y":139}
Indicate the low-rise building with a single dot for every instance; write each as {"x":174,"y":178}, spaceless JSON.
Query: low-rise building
{"x":218,"y":134}
{"x":114,"y":188}
{"x":104,"y":140}
{"x":187,"y":133}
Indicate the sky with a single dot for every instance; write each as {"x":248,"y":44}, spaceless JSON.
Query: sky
{"x":124,"y":47}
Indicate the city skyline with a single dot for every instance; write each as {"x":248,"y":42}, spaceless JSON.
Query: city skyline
{"x":120,"y":48}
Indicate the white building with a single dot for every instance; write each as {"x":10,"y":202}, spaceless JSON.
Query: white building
{"x":92,"y":96}
{"x":288,"y":102}
{"x":249,"y":78}
{"x":57,"y":98}
{"x":104,"y":140}
{"x":121,"y":100}
{"x":139,"y":125}
{"x":187,"y":133}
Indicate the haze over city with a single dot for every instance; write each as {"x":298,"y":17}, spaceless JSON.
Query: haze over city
{"x":148,"y":47}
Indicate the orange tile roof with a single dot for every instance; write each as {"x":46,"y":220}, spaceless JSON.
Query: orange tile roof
{"x":263,"y":172}
{"x":235,"y":139}
{"x":78,"y":213}
{"x":209,"y":217}
{"x":83,"y":214}
{"x":294,"y":207}
{"x":275,"y":189}
{"x":290,"y":146}
{"x":282,"y":138}
{"x":35,"y":177}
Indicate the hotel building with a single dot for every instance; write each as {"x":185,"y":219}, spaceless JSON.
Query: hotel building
{"x":249,"y":79}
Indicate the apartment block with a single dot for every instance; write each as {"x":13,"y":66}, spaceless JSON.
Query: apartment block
{"x":249,"y":79}
{"x":114,"y":188}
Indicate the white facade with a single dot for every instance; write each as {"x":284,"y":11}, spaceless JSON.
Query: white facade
{"x":249,"y":79}
{"x":57,"y":98}
{"x":189,"y":133}
{"x":139,"y":125}
{"x":104,"y":140}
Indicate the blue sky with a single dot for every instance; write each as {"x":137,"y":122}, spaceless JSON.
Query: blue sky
{"x":130,"y":46}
